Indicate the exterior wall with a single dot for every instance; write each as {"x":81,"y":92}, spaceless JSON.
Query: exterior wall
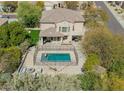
{"x":79,"y":28}
{"x":46,"y":26}
{"x":76,"y":29}
{"x":65,"y":24}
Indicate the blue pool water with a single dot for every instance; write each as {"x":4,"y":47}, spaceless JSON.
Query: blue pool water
{"x":56,"y":57}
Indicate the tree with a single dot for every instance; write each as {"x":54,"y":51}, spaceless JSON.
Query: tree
{"x":91,"y":61}
{"x":12,"y":34}
{"x":10,"y":6}
{"x":4,"y":38}
{"x":89,"y":81}
{"x":95,"y":17}
{"x":87,"y":4}
{"x":4,"y":78}
{"x":17,"y":33}
{"x":24,"y":46}
{"x":29,"y":14}
{"x":109,"y":48}
{"x":116,"y":83}
{"x":43,"y":82}
{"x":40,"y":4}
{"x":71,"y":4}
{"x":10,"y":59}
{"x":95,"y":41}
{"x":117,"y":59}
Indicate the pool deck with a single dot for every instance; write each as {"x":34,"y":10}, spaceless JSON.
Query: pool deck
{"x":66,"y":69}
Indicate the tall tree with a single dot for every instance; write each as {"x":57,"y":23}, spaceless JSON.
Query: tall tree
{"x":12,"y":34}
{"x":29,"y":14}
{"x":10,"y":59}
{"x":40,"y":4}
{"x":109,"y":47}
{"x":95,"y":17}
{"x":71,"y":4}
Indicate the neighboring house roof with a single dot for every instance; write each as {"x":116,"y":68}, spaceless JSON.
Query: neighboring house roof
{"x":9,"y":15}
{"x":61,"y":14}
{"x":3,"y":21}
{"x":51,"y":32}
{"x":51,"y":3}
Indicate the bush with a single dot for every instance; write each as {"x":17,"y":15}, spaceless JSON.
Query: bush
{"x":29,"y":14}
{"x":10,"y":59}
{"x":24,"y":46}
{"x":12,"y":34}
{"x":71,"y":4}
{"x":99,"y":41}
{"x":4,"y":78}
{"x":89,"y":81}
{"x":91,"y":61}
{"x":116,"y":83}
{"x":43,"y":82}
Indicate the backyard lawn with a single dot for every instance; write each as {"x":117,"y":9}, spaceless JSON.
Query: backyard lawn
{"x":34,"y":36}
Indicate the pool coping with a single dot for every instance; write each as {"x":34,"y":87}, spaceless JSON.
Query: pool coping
{"x":47,"y":61}
{"x":72,"y":56}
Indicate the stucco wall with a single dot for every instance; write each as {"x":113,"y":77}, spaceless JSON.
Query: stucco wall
{"x":46,"y":26}
{"x":64,"y":24}
{"x":78,"y":27}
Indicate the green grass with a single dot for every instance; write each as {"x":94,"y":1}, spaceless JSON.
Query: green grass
{"x":34,"y":36}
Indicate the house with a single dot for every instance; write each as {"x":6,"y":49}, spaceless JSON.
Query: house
{"x":52,"y":5}
{"x":3,"y":21}
{"x":117,"y":3}
{"x":61,"y":25}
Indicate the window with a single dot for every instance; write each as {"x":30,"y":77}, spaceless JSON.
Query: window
{"x":65,"y":29}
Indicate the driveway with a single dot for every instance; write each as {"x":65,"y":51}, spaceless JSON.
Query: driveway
{"x":113,"y":24}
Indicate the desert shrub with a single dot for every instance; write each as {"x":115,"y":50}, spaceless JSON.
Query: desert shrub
{"x":43,"y":82}
{"x":91,"y":61}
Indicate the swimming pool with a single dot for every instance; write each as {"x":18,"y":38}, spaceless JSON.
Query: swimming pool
{"x":55,"y":57}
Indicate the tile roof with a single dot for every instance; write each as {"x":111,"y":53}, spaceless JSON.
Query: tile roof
{"x":50,"y":32}
{"x":61,"y":14}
